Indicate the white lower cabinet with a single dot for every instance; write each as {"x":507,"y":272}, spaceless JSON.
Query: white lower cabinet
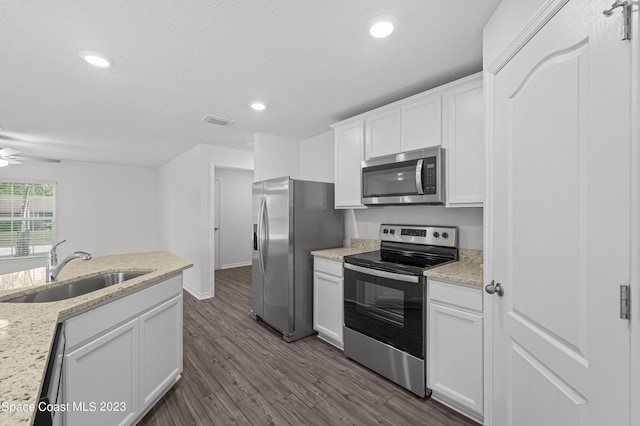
{"x":104,"y":371}
{"x":122,"y":357}
{"x":328,"y":300}
{"x":160,"y":349}
{"x":455,"y":346}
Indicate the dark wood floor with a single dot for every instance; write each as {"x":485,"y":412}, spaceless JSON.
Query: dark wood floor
{"x":239,"y":371}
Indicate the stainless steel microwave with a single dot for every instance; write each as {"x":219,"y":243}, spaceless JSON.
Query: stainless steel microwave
{"x":415,"y":177}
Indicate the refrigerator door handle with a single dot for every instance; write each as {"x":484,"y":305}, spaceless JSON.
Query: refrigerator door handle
{"x":265,"y":239}
{"x":260,"y":236}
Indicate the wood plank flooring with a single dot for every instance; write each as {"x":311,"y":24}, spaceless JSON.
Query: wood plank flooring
{"x":240,"y":371}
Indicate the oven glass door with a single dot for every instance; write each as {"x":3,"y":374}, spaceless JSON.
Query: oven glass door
{"x":386,"y":309}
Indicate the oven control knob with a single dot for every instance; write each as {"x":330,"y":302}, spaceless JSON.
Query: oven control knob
{"x":445,"y":235}
{"x":386,"y":231}
{"x":392,"y":231}
{"x":436,"y":234}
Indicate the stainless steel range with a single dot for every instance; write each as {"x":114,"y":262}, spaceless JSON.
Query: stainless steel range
{"x":385,"y":301}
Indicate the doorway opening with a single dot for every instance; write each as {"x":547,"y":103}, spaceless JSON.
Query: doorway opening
{"x":232,"y":217}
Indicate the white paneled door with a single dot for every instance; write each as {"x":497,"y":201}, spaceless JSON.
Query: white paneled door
{"x":562,"y":224}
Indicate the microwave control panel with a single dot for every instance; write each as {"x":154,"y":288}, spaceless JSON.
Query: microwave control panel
{"x":429,"y":172}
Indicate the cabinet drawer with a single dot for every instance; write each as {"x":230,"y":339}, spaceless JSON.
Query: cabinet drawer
{"x":455,"y":295}
{"x":91,"y":323}
{"x":331,"y":267}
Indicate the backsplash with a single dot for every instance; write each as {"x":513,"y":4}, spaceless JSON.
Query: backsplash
{"x":365,"y":244}
{"x":365,"y":224}
{"x":471,"y":256}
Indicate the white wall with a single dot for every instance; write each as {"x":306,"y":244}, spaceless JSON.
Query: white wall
{"x":103,"y":209}
{"x":179,"y":183}
{"x":366,"y":223}
{"x":275,"y":157}
{"x":185,"y":186}
{"x":235,"y":231}
{"x":507,"y":21}
{"x":316,"y":158}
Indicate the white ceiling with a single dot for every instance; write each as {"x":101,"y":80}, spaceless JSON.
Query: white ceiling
{"x":312,"y":62}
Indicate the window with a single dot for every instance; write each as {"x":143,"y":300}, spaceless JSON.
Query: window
{"x":26,"y":218}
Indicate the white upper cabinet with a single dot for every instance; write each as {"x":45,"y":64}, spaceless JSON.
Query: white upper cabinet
{"x":421,"y":123}
{"x":349,"y":152}
{"x":382,"y":133}
{"x":465,"y":144}
{"x":451,"y":116}
{"x":406,"y":126}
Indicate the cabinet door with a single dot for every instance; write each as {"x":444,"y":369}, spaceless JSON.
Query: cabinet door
{"x":421,"y":123}
{"x":382,"y":133}
{"x":101,"y":379}
{"x":160,"y":349}
{"x":349,"y":152}
{"x":455,"y":358}
{"x":327,"y":307}
{"x":465,"y":145}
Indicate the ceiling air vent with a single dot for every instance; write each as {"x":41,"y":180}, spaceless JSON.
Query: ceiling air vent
{"x":213,"y":119}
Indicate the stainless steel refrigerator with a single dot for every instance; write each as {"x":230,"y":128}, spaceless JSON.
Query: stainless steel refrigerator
{"x":290,"y":219}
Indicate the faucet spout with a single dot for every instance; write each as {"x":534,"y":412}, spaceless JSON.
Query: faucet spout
{"x":54,"y":268}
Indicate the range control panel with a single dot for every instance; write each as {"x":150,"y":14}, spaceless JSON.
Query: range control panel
{"x":446,"y":236}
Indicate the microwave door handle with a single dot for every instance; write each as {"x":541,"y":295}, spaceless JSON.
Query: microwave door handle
{"x":419,"y":176}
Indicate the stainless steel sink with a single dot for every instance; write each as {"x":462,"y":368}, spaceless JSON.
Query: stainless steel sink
{"x":76,"y":288}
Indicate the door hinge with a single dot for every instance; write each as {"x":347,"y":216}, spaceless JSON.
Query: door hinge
{"x":625,"y":302}
{"x":626,"y":16}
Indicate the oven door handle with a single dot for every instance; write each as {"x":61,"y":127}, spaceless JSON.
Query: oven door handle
{"x":383,"y":274}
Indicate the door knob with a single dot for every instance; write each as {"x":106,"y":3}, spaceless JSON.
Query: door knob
{"x":495,"y":288}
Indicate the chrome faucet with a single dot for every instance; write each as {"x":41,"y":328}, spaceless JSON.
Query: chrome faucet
{"x":54,"y":268}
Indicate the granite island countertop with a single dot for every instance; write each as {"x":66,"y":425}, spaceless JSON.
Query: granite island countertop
{"x":358,"y":246}
{"x":467,"y":270}
{"x":25,"y":342}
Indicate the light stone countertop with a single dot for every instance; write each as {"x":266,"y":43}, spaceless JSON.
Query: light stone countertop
{"x":357,"y":246}
{"x":468,"y":270}
{"x":26,"y":341}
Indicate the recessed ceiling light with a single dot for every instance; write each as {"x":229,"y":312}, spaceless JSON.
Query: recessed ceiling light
{"x":258,"y":106}
{"x":95,"y":59}
{"x":382,"y":26}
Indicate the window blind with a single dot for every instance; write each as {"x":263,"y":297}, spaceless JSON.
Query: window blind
{"x":26,"y":218}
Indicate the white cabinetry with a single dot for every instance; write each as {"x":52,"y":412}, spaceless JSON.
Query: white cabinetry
{"x":382,"y":133}
{"x":464,"y":144}
{"x":328,"y":300}
{"x":455,"y":346}
{"x":349,"y":152}
{"x":160,"y":349}
{"x":123,"y":356}
{"x":90,"y":380}
{"x":451,"y":116}
{"x":421,"y":123}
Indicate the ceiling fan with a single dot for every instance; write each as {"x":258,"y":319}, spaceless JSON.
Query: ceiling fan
{"x":13,"y":156}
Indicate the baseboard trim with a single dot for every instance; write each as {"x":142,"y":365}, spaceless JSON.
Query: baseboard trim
{"x":235,"y":265}
{"x":195,"y":293}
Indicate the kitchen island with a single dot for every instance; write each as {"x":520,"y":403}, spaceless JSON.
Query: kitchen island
{"x":25,"y":343}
